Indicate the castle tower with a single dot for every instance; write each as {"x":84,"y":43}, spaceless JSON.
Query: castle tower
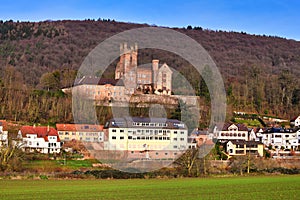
{"x":127,"y":65}
{"x":128,"y":60}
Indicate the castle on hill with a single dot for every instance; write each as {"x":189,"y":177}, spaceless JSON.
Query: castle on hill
{"x":154,"y":78}
{"x":129,"y":79}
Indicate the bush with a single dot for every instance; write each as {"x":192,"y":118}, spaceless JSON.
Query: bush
{"x":44,"y":177}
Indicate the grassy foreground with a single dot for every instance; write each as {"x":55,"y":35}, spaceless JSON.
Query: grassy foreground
{"x":260,"y":187}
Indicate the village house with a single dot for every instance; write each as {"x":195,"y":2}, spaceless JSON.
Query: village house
{"x":256,"y":134}
{"x":3,"y":133}
{"x":231,"y":131}
{"x":242,"y":147}
{"x":80,"y":132}
{"x":40,"y":139}
{"x":295,"y":122}
{"x":280,"y":138}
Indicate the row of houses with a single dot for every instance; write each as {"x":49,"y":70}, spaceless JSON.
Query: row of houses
{"x":154,"y":137}
{"x":240,"y":140}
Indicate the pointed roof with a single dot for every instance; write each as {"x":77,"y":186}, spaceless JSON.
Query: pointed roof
{"x":241,"y":127}
{"x":40,"y":131}
{"x":165,"y":66}
{"x":294,"y":119}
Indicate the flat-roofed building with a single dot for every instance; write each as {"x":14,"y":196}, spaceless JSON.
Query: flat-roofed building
{"x":150,"y":138}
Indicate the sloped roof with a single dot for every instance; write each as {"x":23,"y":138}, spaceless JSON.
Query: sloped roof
{"x":79,"y":127}
{"x":241,"y":127}
{"x":280,"y":130}
{"x":242,"y":142}
{"x":40,"y":131}
{"x":294,"y":119}
{"x":94,"y":80}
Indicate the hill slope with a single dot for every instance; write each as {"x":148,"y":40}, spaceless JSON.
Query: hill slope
{"x":260,"y":72}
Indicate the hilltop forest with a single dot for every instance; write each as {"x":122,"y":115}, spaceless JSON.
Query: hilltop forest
{"x":37,"y":59}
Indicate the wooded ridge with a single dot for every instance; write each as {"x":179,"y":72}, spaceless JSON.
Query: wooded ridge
{"x":39,"y":58}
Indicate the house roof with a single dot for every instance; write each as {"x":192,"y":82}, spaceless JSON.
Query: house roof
{"x":40,"y":131}
{"x":241,"y":127}
{"x":280,"y":130}
{"x":4,"y":124}
{"x":94,"y":80}
{"x":242,"y":142}
{"x":128,"y":122}
{"x":79,"y":127}
{"x":294,"y":119}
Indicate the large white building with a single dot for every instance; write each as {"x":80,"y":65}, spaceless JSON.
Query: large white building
{"x":150,"y":138}
{"x":40,"y":139}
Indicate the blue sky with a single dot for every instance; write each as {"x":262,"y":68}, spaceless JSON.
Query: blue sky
{"x":269,"y":17}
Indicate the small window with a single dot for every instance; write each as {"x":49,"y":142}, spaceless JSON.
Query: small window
{"x":114,"y":130}
{"x":121,"y":137}
{"x":113,"y":137}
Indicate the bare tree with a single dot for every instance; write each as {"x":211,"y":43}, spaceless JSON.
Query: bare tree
{"x":11,"y":157}
{"x":188,"y":159}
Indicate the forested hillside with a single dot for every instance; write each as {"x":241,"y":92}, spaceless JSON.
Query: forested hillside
{"x":37,"y":59}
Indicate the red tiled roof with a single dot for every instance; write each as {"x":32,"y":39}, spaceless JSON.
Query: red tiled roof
{"x":40,"y":131}
{"x":4,"y":124}
{"x":79,"y":127}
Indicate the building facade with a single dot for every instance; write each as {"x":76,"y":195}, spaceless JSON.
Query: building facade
{"x":242,"y":147}
{"x":40,"y":139}
{"x":150,"y":138}
{"x":80,"y":132}
{"x":280,"y":138}
{"x":232,"y":131}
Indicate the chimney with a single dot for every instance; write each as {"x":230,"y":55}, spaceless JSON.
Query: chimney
{"x":155,"y":64}
{"x":48,"y":128}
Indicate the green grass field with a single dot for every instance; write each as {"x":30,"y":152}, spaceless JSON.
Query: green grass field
{"x":256,"y":187}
